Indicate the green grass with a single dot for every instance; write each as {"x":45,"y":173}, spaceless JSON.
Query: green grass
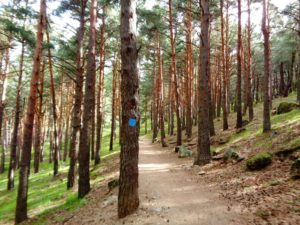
{"x":288,"y":119}
{"x":47,"y":193}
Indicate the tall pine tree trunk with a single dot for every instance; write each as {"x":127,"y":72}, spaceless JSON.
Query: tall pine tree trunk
{"x":39,"y":124}
{"x":3,"y":90}
{"x":14,"y":141}
{"x":239,"y":121}
{"x":128,"y":200}
{"x":227,"y":56}
{"x":114,"y":103}
{"x":224,"y":75}
{"x":203,"y":147}
{"x":298,"y":72}
{"x":100,"y":92}
{"x":174,"y":72}
{"x":160,"y":92}
{"x":21,"y":207}
{"x":190,"y":71}
{"x":54,"y":113}
{"x":250,"y":72}
{"x":154,"y":102}
{"x":89,"y":100}
{"x":266,"y":33}
{"x":76,"y":117}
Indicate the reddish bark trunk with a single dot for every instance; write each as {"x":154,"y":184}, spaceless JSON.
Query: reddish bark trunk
{"x":54,"y":113}
{"x":224,"y":74}
{"x":128,"y":200}
{"x":76,"y":117}
{"x":174,"y":69}
{"x":88,"y":106}
{"x":250,"y":72}
{"x":100,"y":92}
{"x":203,"y":148}
{"x":39,"y":124}
{"x":21,"y":207}
{"x":239,"y":121}
{"x":267,"y":100}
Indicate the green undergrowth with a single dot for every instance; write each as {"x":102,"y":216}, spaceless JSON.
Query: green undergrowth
{"x":282,"y":134}
{"x":48,"y":194}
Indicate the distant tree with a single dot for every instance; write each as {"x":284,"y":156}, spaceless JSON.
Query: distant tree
{"x":267,"y":97}
{"x":14,"y":141}
{"x":224,"y":75}
{"x":239,"y":121}
{"x":100,"y":97}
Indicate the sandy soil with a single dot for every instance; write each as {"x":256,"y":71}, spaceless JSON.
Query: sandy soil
{"x":169,"y":194}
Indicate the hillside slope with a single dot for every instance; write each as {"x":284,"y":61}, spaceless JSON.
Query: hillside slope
{"x":270,"y":194}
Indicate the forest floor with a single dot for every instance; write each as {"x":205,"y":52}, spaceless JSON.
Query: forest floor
{"x":173,"y":191}
{"x":169,"y":194}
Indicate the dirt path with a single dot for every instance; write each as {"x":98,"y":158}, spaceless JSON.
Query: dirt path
{"x":169,"y":194}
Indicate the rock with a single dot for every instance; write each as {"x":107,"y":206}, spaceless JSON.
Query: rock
{"x":113,"y":184}
{"x":285,"y":107}
{"x":201,"y":173}
{"x":295,"y":169}
{"x":184,"y":152}
{"x":259,"y":161}
{"x":283,"y":153}
{"x":217,"y":157}
{"x":110,"y":200}
{"x":230,"y":155}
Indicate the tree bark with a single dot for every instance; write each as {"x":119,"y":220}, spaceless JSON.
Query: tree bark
{"x":39,"y":124}
{"x":154,"y":102}
{"x":21,"y":207}
{"x":298,"y":72}
{"x":54,"y":113}
{"x":128,"y":200}
{"x":239,"y":121}
{"x":190,"y":71}
{"x":227,"y":56}
{"x":76,"y":117}
{"x":281,"y":83}
{"x":160,"y":92}
{"x":224,"y":74}
{"x":250,"y":72}
{"x":89,"y":100}
{"x":100,"y":92}
{"x":3,"y":90}
{"x":114,"y":104}
{"x":174,"y":72}
{"x":266,"y":33}
{"x":203,"y":147}
{"x":14,"y":141}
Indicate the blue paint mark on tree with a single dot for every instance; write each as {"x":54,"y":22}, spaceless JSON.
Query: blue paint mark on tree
{"x":132,"y":122}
